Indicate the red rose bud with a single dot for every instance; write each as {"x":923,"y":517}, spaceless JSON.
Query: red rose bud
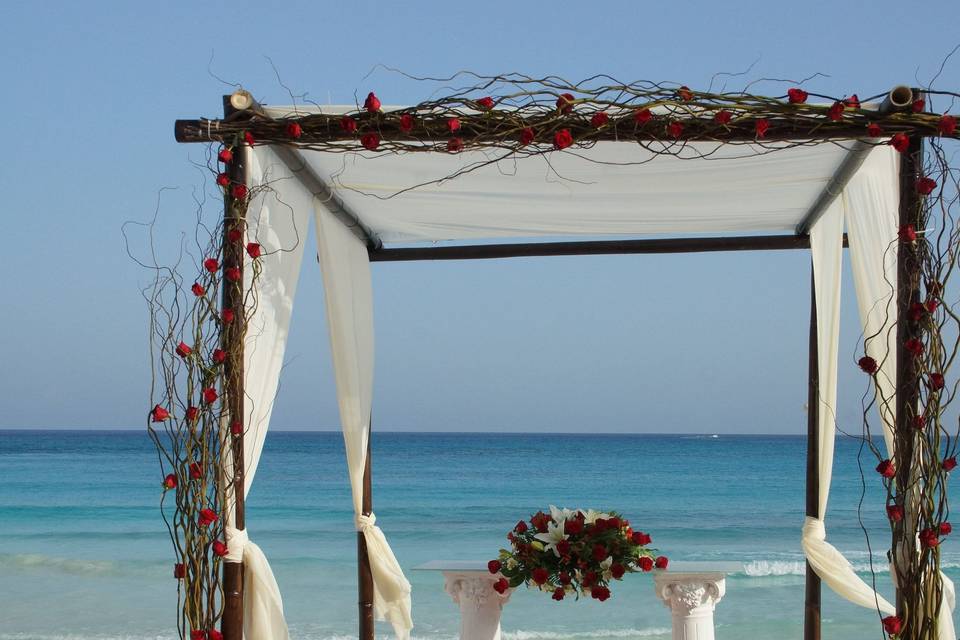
{"x":564,"y":577}
{"x":886,"y":469}
{"x":563,"y":547}
{"x":599,"y":552}
{"x":900,"y":142}
{"x":836,"y":111}
{"x":179,"y":571}
{"x":370,"y":141}
{"x":540,"y":575}
{"x":762,"y":125}
{"x":170,"y":482}
{"x":219,"y":355}
{"x":196,"y":471}
{"x":675,"y":129}
{"x":853,"y":102}
{"x":919,"y":105}
{"x":348,"y":124}
{"x":599,"y":524}
{"x":868,"y":364}
{"x":540,"y":521}
{"x":573,"y":527}
{"x":485,"y":103}
{"x":662,"y":562}
{"x":895,"y":512}
{"x":406,"y":123}
{"x":614,"y":523}
{"x":600,"y":593}
{"x":210,"y":395}
{"x":223,"y":179}
{"x":907,"y":233}
{"x":453,"y":124}
{"x":936,"y":381}
{"x":723,"y":117}
{"x":494,"y":566}
{"x":192,"y":413}
{"x":239,"y":191}
{"x":642,"y":116}
{"x":233,"y":274}
{"x":589,"y":578}
{"x":211,"y":265}
{"x":913,"y":346}
{"x":641,"y":538}
{"x":891,"y":624}
{"x":558,"y":594}
{"x":797,"y":96}
{"x":949,"y":464}
{"x":599,"y":119}
{"x":562,"y":139}
{"x":207,"y":517}
{"x":234,"y":235}
{"x":929,"y":538}
{"x":945,"y":529}
{"x":521,"y":527}
{"x":454,"y":145}
{"x":527,"y":135}
{"x":225,"y":156}
{"x":617,"y":571}
{"x":685,"y":94}
{"x":565,"y":102}
{"x":925,"y":186}
{"x":947,"y":125}
{"x":219,"y":548}
{"x":254,"y":250}
{"x":197,"y":289}
{"x":916,"y":311}
{"x":227,"y":316}
{"x":236,"y":428}
{"x":931,"y":305}
{"x":183,"y":350}
{"x":919,"y":422}
{"x":213,"y":634}
{"x":874,"y":130}
{"x":501,"y":586}
{"x":372,"y":103}
{"x":248,"y":138}
{"x":199,"y":635}
{"x":645,"y":563}
{"x":159,"y":414}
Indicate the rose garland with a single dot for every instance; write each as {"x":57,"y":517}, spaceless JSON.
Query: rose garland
{"x":573,"y":552}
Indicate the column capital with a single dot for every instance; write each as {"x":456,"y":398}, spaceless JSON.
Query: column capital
{"x":474,"y":587}
{"x":686,"y":593}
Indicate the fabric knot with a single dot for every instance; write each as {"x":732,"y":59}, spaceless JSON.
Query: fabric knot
{"x":365,"y":522}
{"x":236,"y":542}
{"x":813,"y":528}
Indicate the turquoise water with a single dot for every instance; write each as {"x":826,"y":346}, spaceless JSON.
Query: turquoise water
{"x":84,"y":554}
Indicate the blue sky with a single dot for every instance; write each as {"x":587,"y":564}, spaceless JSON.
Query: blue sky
{"x":701,"y":343}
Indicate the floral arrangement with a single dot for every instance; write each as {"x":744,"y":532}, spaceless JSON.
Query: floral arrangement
{"x":573,"y":552}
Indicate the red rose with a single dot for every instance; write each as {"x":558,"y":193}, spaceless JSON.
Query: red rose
{"x":239,"y":191}
{"x":348,"y":124}
{"x":599,"y":552}
{"x":599,"y":119}
{"x":723,"y":117}
{"x":874,"y":130}
{"x":562,"y":139}
{"x":234,"y":235}
{"x":919,"y":105}
{"x":945,"y":529}
{"x":900,"y":142}
{"x":370,"y":141}
{"x":929,"y":538}
{"x":192,"y":413}
{"x":914,"y":347}
{"x":565,"y":102}
{"x":613,"y":523}
{"x":891,"y":624}
{"x":453,"y":124}
{"x":836,"y":111}
{"x":219,"y":548}
{"x":588,"y":579}
{"x":211,"y":265}
{"x":222,"y":179}
{"x":540,"y":575}
{"x":248,"y":138}
{"x":219,"y":355}
{"x":183,"y":350}
{"x":931,"y":305}
{"x":599,"y":524}
{"x":925,"y":185}
{"x":227,"y":316}
{"x":947,"y":125}
{"x":540,"y":521}
{"x":662,"y":562}
{"x":225,"y":155}
{"x":454,"y":145}
{"x":762,"y":125}
{"x":209,"y":395}
{"x":600,"y":593}
{"x":936,"y":381}
{"x":886,"y":469}
{"x":797,"y":96}
{"x":494,"y":566}
{"x":907,"y":233}
{"x":642,"y":116}
{"x":233,"y":274}
{"x":521,"y":527}
{"x":207,"y":517}
{"x":179,"y":571}
{"x":563,"y":547}
{"x":485,"y":103}
{"x":527,"y":135}
{"x":199,"y":635}
{"x":372,"y":103}
{"x":213,"y":634}
{"x":294,"y":130}
{"x":949,"y":464}
{"x":236,"y":428}
{"x":916,"y":311}
{"x":501,"y":586}
{"x":254,"y":250}
{"x":919,"y":422}
{"x":853,"y":102}
{"x":196,"y":472}
{"x":159,"y":414}
{"x":564,"y":577}
{"x":645,"y":563}
{"x":895,"y":512}
{"x":558,"y":594}
{"x":641,"y":538}
{"x":617,"y":571}
{"x":406,"y":123}
{"x":675,"y":129}
{"x":197,"y":289}
{"x":685,"y":94}
{"x":573,"y":527}
{"x":868,"y":364}
{"x":170,"y":482}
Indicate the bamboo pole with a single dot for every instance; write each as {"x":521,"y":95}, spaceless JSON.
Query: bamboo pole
{"x":811,"y":609}
{"x":364,"y":574}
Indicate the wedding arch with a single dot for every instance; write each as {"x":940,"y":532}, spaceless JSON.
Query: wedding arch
{"x":516,"y":166}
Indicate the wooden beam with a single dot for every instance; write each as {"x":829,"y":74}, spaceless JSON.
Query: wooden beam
{"x":364,"y":573}
{"x":811,"y":609}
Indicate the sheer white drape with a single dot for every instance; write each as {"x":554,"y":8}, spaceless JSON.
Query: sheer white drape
{"x":349,"y":300}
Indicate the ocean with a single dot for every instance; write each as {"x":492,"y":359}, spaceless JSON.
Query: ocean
{"x":84,"y":554}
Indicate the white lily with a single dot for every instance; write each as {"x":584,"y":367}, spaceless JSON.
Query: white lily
{"x":605,"y":568}
{"x":553,"y":536}
{"x":560,"y":515}
{"x":590,"y":516}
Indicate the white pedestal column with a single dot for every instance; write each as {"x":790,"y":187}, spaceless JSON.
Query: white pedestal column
{"x":480,"y":605}
{"x":691,"y":598}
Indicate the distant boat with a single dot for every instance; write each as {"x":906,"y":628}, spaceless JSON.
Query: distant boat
{"x":714,"y":436}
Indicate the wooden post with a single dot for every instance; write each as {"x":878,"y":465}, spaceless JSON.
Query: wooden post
{"x":364,"y":574}
{"x":231,"y":625}
{"x":811,"y":609}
